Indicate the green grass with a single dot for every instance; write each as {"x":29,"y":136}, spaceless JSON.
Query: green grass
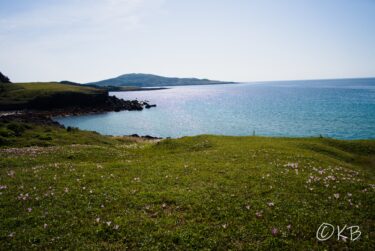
{"x":81,"y":190}
{"x":24,"y":92}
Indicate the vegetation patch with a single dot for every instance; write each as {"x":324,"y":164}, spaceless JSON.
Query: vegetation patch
{"x":71,"y":189}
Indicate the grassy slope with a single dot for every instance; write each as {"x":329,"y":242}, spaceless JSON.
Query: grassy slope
{"x":188,"y":193}
{"x":23,"y":92}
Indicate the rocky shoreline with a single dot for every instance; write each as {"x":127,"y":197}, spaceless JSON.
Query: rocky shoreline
{"x":45,"y":116}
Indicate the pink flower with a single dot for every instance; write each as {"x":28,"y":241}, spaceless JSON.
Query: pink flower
{"x":258,"y":215}
{"x":274,"y":231}
{"x":270,"y":204}
{"x":29,"y":209}
{"x":289,"y":227}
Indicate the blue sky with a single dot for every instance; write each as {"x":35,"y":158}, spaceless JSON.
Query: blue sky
{"x":236,"y":40}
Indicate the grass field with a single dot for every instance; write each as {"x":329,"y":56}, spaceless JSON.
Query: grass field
{"x":24,"y":92}
{"x":82,"y":191}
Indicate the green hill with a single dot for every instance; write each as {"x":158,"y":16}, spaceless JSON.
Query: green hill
{"x":22,"y":93}
{"x":149,"y":80}
{"x":66,"y":189}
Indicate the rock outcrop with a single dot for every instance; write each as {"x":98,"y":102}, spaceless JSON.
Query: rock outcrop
{"x":4,"y":79}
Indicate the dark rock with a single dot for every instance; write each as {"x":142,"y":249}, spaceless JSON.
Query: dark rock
{"x":4,"y":79}
{"x":148,"y":106}
{"x":144,"y":137}
{"x":149,"y":137}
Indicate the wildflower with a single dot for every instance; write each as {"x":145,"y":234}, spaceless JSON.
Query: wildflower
{"x":97,"y":220}
{"x":274,"y":231}
{"x":116,"y":227}
{"x":259,"y":214}
{"x":29,"y":209}
{"x":23,"y":197}
{"x":11,"y":173}
{"x":137,"y":179}
{"x":336,"y":195}
{"x":45,"y":225}
{"x":12,"y":234}
{"x":224,"y":226}
{"x":109,"y":223}
{"x":102,"y":206}
{"x":164,"y":205}
{"x":270,"y":204}
{"x":349,"y":194}
{"x":2,"y":187}
{"x":247,"y":207}
{"x":66,"y":189}
{"x":289,"y":227}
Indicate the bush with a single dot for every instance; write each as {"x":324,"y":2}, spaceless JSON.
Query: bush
{"x":71,"y":129}
{"x":17,"y":128}
{"x":6,"y":133}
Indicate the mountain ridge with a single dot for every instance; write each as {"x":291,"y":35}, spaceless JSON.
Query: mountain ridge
{"x":152,"y":80}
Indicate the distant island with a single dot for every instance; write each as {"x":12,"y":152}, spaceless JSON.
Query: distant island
{"x":150,"y":80}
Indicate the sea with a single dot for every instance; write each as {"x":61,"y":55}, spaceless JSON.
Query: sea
{"x":336,"y":108}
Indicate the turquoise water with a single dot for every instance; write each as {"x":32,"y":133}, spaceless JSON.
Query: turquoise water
{"x":342,"y":109}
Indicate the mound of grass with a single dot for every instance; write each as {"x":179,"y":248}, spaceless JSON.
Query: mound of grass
{"x":204,"y":192}
{"x":24,"y":92}
{"x":21,"y":134}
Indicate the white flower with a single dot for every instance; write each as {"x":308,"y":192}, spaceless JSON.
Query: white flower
{"x":29,"y":209}
{"x":97,"y":220}
{"x":258,"y":214}
{"x":11,"y":173}
{"x":116,"y":227}
{"x":336,"y":195}
{"x":45,"y":225}
{"x":109,"y":223}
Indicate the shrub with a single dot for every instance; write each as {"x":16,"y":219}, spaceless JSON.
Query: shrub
{"x":17,"y":128}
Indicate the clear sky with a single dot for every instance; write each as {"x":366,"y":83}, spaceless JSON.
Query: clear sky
{"x":234,"y":40}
